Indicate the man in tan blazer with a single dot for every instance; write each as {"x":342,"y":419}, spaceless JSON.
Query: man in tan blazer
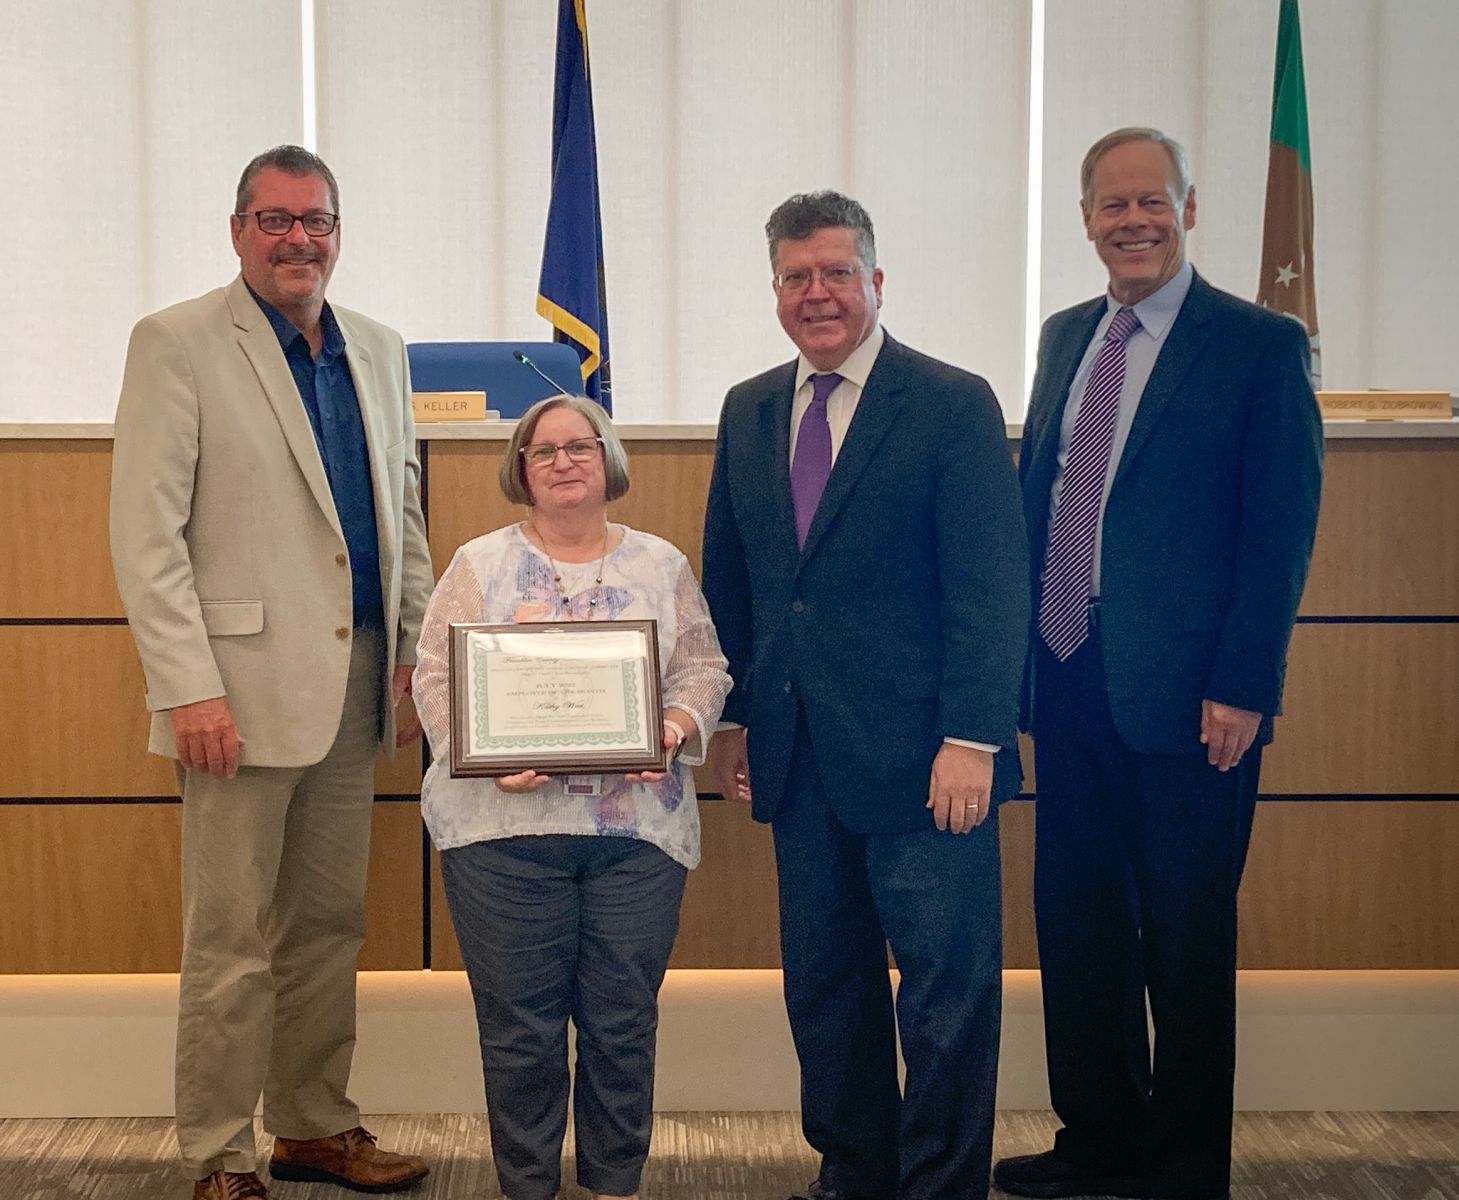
{"x":270,"y":551}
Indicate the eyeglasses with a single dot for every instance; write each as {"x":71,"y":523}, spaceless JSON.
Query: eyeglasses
{"x":542,"y":454}
{"x":834,"y":278}
{"x":278,"y":221}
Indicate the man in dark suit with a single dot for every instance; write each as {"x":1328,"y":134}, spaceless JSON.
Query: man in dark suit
{"x":864,"y":560}
{"x":1171,"y":466}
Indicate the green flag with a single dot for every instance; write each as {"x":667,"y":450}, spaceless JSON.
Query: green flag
{"x":1287,"y":279}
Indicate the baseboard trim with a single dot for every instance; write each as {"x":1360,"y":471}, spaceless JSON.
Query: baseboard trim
{"x":102,"y":1045}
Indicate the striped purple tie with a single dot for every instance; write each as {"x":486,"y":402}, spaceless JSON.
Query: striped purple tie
{"x":811,"y":466}
{"x":1069,"y":567}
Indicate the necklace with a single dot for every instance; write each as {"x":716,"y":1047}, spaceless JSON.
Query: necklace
{"x":562,"y":597}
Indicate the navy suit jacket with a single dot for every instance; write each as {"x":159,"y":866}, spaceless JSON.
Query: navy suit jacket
{"x":904,"y":618}
{"x":1210,"y":519}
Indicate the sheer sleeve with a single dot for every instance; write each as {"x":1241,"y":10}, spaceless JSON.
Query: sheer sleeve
{"x":457,"y":598}
{"x":695,"y":679}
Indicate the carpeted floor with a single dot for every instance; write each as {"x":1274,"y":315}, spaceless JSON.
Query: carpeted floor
{"x":744,"y":1156}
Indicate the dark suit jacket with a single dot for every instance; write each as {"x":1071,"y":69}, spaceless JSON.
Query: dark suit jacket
{"x":903,"y":619}
{"x":1209,"y":524}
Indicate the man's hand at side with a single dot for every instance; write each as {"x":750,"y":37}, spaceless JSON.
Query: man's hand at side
{"x":207,"y":740}
{"x":960,"y":793}
{"x":407,"y":727}
{"x":729,"y":764}
{"x":1227,"y":732}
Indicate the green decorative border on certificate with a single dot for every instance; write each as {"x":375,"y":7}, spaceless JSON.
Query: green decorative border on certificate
{"x":484,"y":740}
{"x":475,"y":754}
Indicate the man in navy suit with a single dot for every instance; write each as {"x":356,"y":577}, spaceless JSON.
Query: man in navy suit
{"x":865,"y":562}
{"x":1171,"y":466}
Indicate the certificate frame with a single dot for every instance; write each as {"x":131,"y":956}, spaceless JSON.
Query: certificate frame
{"x":500,"y":674}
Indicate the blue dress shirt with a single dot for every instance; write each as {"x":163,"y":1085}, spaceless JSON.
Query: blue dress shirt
{"x":328,"y":392}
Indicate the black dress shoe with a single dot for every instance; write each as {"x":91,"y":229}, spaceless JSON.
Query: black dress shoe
{"x":1048,"y":1177}
{"x":821,"y":1191}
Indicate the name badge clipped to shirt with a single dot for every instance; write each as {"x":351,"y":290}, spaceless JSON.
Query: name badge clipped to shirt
{"x":582,"y":785}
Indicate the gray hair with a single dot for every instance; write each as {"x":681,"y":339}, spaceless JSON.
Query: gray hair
{"x":513,"y":473}
{"x":1134,"y":133}
{"x":291,"y":160}
{"x":806,"y":213}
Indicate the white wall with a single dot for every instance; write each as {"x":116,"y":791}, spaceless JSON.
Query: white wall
{"x":102,"y":1045}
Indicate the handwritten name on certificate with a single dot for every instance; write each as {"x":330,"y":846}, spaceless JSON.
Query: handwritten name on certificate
{"x":562,"y":692}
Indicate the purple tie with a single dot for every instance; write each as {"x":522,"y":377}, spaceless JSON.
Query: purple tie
{"x":1069,"y":567}
{"x":811,"y":466}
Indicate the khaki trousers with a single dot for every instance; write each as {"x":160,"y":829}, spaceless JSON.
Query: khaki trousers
{"x":273,"y":889}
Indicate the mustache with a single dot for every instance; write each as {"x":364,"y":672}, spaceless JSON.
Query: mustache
{"x":296,"y":254}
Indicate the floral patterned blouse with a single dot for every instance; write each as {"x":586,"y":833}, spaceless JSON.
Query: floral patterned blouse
{"x":503,"y":578}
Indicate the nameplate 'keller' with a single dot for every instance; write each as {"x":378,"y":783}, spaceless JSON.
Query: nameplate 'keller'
{"x":433,"y":407}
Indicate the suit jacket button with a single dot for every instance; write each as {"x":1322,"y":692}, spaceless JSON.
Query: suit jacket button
{"x":342,"y":633}
{"x":342,"y":559}
{"x":797,"y":606}
{"x":789,"y":687}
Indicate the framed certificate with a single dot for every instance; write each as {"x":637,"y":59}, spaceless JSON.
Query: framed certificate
{"x":556,"y":697}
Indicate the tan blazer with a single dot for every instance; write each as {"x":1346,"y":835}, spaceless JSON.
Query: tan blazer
{"x":228,"y":553}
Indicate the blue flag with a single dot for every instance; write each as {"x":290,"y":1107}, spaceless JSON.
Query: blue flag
{"x":572,"y":293}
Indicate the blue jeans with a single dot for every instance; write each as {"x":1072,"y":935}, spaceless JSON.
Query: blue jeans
{"x":560,"y":926}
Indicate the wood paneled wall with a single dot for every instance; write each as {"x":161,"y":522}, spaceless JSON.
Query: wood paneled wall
{"x":1354,"y":861}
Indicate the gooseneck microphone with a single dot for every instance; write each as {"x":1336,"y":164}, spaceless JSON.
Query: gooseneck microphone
{"x":522,"y":358}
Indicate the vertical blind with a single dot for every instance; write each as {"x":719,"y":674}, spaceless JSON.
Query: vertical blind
{"x":124,"y":128}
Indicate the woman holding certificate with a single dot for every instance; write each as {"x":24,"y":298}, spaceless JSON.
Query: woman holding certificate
{"x":564,"y":890}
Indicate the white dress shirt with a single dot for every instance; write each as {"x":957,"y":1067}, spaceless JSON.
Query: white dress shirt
{"x":841,"y":403}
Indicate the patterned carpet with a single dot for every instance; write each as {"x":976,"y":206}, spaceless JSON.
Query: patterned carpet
{"x":744,"y":1156}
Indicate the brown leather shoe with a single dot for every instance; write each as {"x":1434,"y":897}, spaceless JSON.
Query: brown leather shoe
{"x":230,"y":1185}
{"x":350,"y":1159}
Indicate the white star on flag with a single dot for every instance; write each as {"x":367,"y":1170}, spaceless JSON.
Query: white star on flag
{"x":1285,"y":275}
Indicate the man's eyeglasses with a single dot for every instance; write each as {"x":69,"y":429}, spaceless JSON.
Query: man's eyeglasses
{"x":278,"y":221}
{"x":799,"y":280}
{"x":542,"y":454}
